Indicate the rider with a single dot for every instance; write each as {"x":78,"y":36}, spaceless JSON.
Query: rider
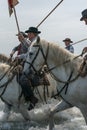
{"x":69,"y":47}
{"x":84,"y":18}
{"x":32,"y":33}
{"x":22,"y":47}
{"x":83,"y":67}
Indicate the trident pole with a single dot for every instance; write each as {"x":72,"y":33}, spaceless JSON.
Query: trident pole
{"x":16,"y":19}
{"x":49,"y":13}
{"x":78,"y":42}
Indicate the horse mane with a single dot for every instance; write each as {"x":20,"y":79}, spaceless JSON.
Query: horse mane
{"x":57,"y":51}
{"x":3,"y":58}
{"x":4,"y":67}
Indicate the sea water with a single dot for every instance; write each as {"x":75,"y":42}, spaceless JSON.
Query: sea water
{"x":70,"y":119}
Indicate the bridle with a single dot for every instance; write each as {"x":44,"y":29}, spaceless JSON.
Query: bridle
{"x":40,"y":49}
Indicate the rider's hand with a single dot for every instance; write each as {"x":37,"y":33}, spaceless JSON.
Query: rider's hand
{"x":20,"y":37}
{"x":16,"y":58}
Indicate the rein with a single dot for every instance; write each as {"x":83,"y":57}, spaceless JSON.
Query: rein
{"x":65,"y":86}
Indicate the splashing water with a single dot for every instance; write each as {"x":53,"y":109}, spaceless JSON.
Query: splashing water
{"x":70,"y":119}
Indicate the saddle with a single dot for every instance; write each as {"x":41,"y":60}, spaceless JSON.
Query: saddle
{"x":83,"y":67}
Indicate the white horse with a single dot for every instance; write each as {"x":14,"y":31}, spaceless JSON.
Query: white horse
{"x":10,"y":91}
{"x":64,"y":67}
{"x":46,"y":91}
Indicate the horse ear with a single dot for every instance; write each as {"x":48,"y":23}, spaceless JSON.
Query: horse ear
{"x":38,"y":40}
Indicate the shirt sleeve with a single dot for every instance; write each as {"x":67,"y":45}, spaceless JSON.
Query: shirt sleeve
{"x":22,"y":56}
{"x":15,"y":48}
{"x":71,"y":49}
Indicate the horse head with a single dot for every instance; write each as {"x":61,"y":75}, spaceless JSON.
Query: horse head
{"x":37,"y":56}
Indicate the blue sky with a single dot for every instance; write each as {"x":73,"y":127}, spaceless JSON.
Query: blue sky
{"x":63,"y":22}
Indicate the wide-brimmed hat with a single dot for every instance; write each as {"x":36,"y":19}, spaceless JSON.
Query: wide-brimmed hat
{"x":23,"y":34}
{"x":33,"y":30}
{"x":84,"y":14}
{"x":67,"y":39}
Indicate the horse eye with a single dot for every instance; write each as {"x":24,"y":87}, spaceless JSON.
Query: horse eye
{"x":30,"y":53}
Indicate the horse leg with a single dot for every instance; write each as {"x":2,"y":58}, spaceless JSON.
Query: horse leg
{"x":59,"y":107}
{"x":6,"y":111}
{"x":24,"y":112}
{"x":83,"y":110}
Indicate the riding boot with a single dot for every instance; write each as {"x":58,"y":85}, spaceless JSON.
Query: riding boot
{"x":26,"y":87}
{"x":27,"y":92}
{"x":33,"y":101}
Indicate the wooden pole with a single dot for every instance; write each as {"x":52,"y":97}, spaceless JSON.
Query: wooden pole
{"x":16,"y":19}
{"x":80,"y":41}
{"x":77,"y":42}
{"x":49,"y":13}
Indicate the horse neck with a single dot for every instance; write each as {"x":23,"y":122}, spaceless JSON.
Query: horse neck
{"x":57,"y":57}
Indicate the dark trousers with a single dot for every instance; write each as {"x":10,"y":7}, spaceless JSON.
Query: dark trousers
{"x":26,"y":87}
